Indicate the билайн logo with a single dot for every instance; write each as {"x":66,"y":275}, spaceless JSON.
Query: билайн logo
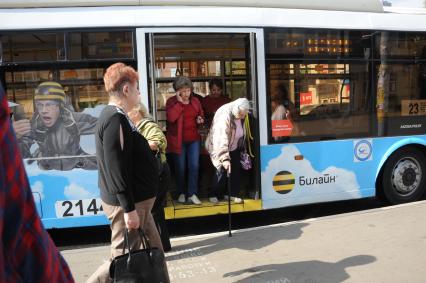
{"x":283,"y":182}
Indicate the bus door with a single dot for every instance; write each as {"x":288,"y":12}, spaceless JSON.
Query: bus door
{"x":227,"y":56}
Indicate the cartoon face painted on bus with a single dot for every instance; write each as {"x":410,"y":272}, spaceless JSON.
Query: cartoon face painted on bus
{"x":49,"y":111}
{"x":55,"y":128}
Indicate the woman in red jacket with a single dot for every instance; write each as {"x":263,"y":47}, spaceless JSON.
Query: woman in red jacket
{"x":184,"y":114}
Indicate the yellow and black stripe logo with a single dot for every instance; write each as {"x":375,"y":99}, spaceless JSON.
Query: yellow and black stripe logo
{"x":283,"y":182}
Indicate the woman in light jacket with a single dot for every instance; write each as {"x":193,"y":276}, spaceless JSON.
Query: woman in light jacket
{"x":224,"y":145}
{"x":157,"y":142}
{"x":184,"y":114}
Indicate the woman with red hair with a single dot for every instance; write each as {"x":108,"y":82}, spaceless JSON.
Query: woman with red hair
{"x":128,"y":172}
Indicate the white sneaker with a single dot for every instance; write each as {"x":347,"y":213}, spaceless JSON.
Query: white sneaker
{"x":234,"y":199}
{"x":181,"y":198}
{"x":194,"y":199}
{"x":213,"y":200}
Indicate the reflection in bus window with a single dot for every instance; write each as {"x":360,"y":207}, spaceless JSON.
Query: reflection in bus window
{"x":283,"y":110}
{"x":302,"y":43}
{"x":30,"y":47}
{"x":84,"y":87}
{"x":401,"y":45}
{"x":329,"y":99}
{"x":61,"y":46}
{"x":101,"y":45}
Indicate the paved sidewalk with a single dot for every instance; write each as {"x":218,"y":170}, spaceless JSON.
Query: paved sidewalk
{"x":380,"y":245}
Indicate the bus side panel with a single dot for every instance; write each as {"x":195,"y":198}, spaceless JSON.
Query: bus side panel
{"x":68,"y":198}
{"x":294,"y":174}
{"x":397,"y":144}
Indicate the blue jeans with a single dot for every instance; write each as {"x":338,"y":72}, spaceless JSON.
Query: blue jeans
{"x":191,"y":152}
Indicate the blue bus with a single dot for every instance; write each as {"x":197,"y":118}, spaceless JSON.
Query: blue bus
{"x":350,"y":76}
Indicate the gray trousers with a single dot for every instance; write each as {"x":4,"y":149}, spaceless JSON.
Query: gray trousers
{"x":115,"y":215}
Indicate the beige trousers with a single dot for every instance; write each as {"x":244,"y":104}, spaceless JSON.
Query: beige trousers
{"x":115,"y":215}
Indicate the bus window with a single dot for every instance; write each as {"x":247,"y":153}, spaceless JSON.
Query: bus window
{"x":324,"y":100}
{"x":404,"y":98}
{"x":31,"y":47}
{"x":328,"y":44}
{"x":101,"y":45}
{"x":63,"y":46}
{"x":56,"y":131}
{"x":400,"y":90}
{"x":314,"y":93}
{"x":400,"y":45}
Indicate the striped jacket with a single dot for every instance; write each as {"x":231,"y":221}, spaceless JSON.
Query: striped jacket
{"x":152,"y":132}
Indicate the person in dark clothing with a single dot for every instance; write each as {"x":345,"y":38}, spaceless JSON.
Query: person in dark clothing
{"x":27,"y":253}
{"x":128,"y":171}
{"x":214,"y":100}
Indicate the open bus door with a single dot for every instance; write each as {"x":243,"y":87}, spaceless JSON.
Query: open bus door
{"x":203,"y":54}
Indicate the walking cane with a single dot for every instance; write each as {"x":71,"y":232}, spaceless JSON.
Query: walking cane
{"x":229,"y":203}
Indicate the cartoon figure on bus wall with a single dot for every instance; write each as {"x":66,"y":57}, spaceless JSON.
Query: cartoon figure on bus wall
{"x":55,"y":128}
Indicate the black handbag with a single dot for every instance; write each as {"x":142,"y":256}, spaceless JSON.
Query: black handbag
{"x":160,"y":164}
{"x":139,"y":266}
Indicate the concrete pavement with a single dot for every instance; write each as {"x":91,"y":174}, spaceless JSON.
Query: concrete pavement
{"x":379,"y":245}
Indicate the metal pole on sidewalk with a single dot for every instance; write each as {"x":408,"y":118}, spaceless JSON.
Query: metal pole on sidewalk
{"x":229,"y":203}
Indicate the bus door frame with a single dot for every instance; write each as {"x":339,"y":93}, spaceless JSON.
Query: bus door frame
{"x":145,"y":49}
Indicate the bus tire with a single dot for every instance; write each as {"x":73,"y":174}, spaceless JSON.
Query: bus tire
{"x":404,"y":176}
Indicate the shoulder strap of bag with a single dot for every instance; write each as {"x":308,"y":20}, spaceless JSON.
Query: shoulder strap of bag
{"x":247,"y":135}
{"x":142,"y":235}
{"x":126,"y":242}
{"x":144,"y":239}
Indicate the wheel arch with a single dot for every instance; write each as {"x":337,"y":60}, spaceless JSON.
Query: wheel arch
{"x":407,"y":142}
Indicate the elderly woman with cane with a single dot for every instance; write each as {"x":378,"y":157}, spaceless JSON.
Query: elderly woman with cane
{"x":224,"y":143}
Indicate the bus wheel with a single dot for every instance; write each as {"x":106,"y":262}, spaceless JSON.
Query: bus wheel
{"x":404,"y":176}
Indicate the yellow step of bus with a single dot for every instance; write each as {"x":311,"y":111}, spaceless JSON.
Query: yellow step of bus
{"x":175,"y":210}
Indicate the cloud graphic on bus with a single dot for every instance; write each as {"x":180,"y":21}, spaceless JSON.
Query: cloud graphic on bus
{"x":37,"y":187}
{"x":310,"y":185}
{"x":74,"y":191}
{"x":57,"y":184}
